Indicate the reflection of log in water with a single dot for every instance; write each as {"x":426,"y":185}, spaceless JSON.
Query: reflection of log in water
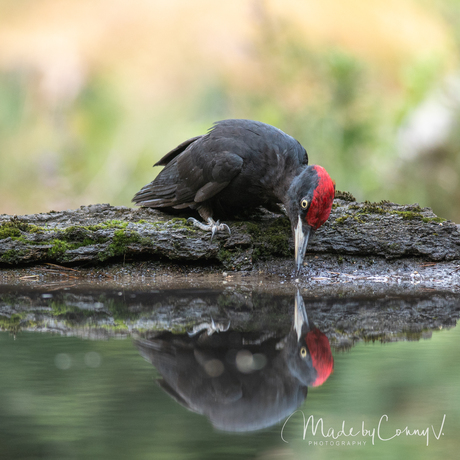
{"x":98,"y":233}
{"x":242,"y":381}
{"x":98,"y":313}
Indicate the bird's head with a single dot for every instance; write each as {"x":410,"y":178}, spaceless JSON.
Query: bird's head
{"x":310,"y":198}
{"x":310,"y":358}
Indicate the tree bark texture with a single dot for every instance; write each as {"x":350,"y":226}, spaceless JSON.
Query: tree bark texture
{"x":97,"y":234}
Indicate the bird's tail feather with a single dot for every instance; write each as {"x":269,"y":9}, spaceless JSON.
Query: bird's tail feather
{"x":162,"y":191}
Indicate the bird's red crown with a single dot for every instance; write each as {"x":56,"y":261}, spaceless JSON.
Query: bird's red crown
{"x":323,"y":196}
{"x":321,"y":356}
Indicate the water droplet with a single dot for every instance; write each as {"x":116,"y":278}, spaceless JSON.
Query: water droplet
{"x":92,"y":359}
{"x":214,"y":367}
{"x":63,"y":361}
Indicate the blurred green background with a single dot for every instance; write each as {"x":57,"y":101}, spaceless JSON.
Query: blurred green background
{"x":93,"y":92}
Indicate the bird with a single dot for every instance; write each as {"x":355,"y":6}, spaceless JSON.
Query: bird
{"x":240,"y":165}
{"x":241,"y":382}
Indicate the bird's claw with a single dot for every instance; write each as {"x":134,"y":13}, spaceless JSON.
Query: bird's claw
{"x":211,"y":226}
{"x":214,"y":230}
{"x":223,"y":227}
{"x":218,"y":227}
{"x":198,"y":224}
{"x":210,"y":328}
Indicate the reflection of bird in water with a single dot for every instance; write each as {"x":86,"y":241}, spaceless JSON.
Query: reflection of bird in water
{"x":239,"y":381}
{"x":238,"y":166}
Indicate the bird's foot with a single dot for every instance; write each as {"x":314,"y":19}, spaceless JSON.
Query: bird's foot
{"x":211,"y":226}
{"x":210,"y":328}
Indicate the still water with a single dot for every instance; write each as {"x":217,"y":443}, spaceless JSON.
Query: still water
{"x":69,"y":397}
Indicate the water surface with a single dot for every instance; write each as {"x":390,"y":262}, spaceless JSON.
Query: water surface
{"x":68,"y":397}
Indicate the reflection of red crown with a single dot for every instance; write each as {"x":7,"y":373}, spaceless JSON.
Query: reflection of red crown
{"x":321,"y":356}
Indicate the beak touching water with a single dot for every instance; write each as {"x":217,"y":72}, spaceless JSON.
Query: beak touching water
{"x":301,"y":324}
{"x":301,"y":235}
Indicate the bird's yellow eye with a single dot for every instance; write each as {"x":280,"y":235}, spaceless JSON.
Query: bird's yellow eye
{"x":304,"y":204}
{"x":303,"y":352}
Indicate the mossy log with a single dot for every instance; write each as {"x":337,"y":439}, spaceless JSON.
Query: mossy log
{"x":99,"y":233}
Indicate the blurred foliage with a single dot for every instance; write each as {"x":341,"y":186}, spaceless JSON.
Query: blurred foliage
{"x":321,"y":98}
{"x":99,"y":145}
{"x":432,"y":177}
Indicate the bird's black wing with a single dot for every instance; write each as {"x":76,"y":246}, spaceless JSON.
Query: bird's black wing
{"x":196,"y":172}
{"x":201,"y":167}
{"x":177,"y":151}
{"x":206,"y":172}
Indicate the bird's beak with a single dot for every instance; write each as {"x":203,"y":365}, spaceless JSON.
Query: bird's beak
{"x":301,"y":324}
{"x":301,"y":236}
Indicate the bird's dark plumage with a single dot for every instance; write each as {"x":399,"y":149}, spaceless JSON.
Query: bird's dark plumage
{"x":237,"y":166}
{"x":242,"y":381}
